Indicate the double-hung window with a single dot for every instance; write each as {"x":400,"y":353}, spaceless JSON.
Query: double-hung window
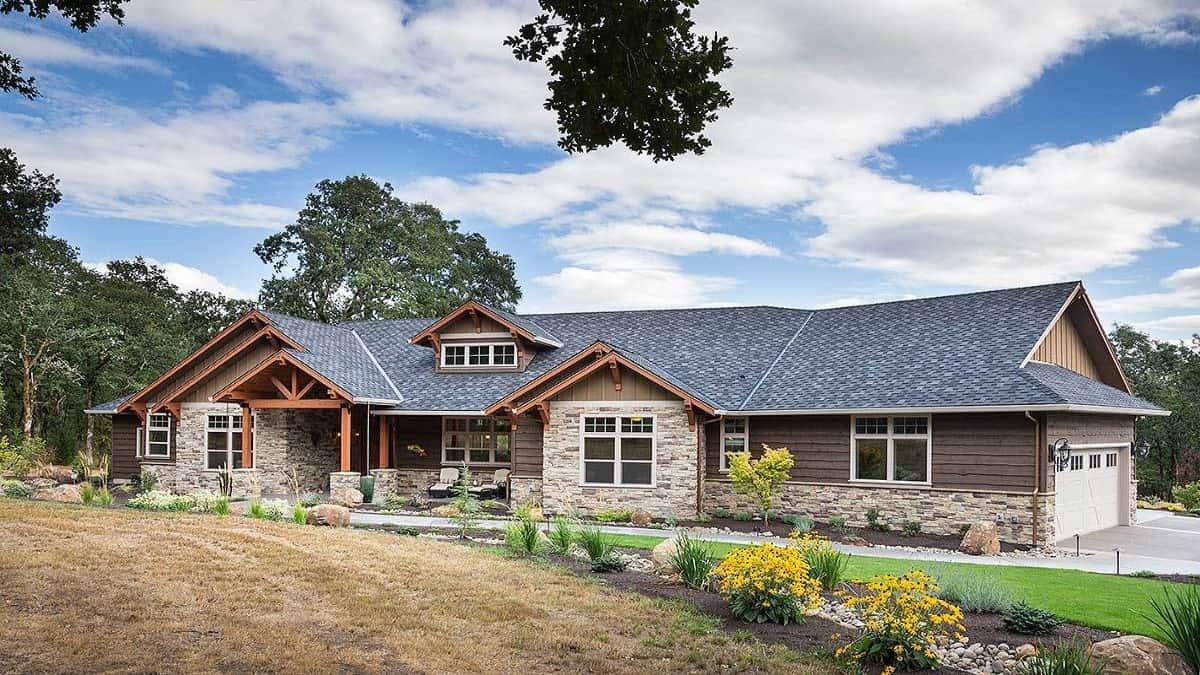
{"x":223,"y":441}
{"x":501,"y":354}
{"x":891,"y":449}
{"x":476,"y":440}
{"x":618,"y":451}
{"x":733,"y":438}
{"x":158,"y":435}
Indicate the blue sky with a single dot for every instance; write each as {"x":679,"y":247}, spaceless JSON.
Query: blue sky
{"x":872,"y":153}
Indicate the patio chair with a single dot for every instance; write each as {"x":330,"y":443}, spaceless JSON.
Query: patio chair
{"x":446,"y":481}
{"x":497,"y":489}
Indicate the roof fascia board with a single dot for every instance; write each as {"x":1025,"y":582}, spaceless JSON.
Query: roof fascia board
{"x":253,"y":314}
{"x":469,"y":305}
{"x":546,"y":376}
{"x":1112,"y":354}
{"x":1049,"y":407}
{"x":215,"y":366}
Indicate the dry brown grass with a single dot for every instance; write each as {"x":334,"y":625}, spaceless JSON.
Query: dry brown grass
{"x":118,"y":590}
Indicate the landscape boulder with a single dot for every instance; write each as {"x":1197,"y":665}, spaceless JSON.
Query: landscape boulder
{"x":58,"y":473}
{"x":1137,"y":655}
{"x":330,"y":515}
{"x":444,"y":511}
{"x":1025,"y":651}
{"x":349,"y":497}
{"x":982,"y":538}
{"x":67,"y":494}
{"x":640,"y":518}
{"x":662,"y":554}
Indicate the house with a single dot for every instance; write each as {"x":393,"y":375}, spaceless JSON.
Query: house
{"x":944,"y":410}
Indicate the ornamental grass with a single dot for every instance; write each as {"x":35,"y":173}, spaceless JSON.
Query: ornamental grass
{"x":902,"y":621}
{"x":768,"y":583}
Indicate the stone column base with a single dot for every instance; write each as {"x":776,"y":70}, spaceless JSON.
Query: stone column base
{"x":343,"y":479}
{"x":385,"y":484}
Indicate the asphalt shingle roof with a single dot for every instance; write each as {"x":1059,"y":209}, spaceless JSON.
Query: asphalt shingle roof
{"x":961,"y":350}
{"x":109,"y":406}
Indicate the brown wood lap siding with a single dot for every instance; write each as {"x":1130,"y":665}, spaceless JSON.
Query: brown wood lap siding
{"x":970,"y":451}
{"x":527,"y":447}
{"x":124,"y":446}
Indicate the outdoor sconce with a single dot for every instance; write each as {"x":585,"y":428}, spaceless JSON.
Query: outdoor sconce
{"x":1060,"y":453}
{"x":1143,"y":450}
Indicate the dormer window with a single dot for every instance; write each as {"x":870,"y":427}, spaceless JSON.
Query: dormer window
{"x":479,"y":355}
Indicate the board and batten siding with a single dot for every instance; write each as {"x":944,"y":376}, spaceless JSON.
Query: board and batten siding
{"x":228,"y":373}
{"x":216,"y":354}
{"x":993,"y":451}
{"x":599,"y":386}
{"x":1064,"y":346}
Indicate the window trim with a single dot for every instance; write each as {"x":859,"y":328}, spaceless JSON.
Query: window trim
{"x":890,"y":437}
{"x":617,"y":435}
{"x":229,"y":437}
{"x":722,"y":463}
{"x":491,"y":355}
{"x":150,"y":454}
{"x":467,"y":451}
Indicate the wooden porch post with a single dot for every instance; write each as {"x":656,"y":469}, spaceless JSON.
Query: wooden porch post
{"x":247,"y":438}
{"x":385,"y":424}
{"x":345,"y":438}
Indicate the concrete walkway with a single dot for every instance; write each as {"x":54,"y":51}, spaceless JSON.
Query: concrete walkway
{"x":1098,"y":561}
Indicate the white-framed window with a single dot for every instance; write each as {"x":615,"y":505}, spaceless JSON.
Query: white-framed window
{"x":476,"y":440}
{"x":617,"y":450}
{"x":223,"y":441}
{"x":892,"y":449}
{"x":479,"y":355}
{"x":158,"y":435}
{"x":734,"y":434}
{"x":1110,"y":459}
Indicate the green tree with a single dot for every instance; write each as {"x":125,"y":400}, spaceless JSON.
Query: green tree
{"x":1168,"y":375}
{"x":358,"y":252}
{"x":26,"y":198}
{"x":82,"y":14}
{"x":760,"y":479}
{"x":627,"y":70}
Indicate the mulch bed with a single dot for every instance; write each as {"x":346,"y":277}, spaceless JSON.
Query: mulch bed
{"x":874,"y":537}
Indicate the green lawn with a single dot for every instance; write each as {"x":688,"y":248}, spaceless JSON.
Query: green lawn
{"x":1099,"y":600}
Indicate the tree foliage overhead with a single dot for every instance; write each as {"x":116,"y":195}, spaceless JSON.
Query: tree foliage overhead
{"x":357,"y":252}
{"x":25,"y":202}
{"x":630,"y":71}
{"x":82,"y":14}
{"x":1167,"y":374}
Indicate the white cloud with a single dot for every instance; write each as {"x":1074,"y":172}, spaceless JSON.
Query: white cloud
{"x":188,"y":278}
{"x":659,"y":238}
{"x":49,"y":49}
{"x":1181,"y":327}
{"x":624,"y":279}
{"x":1153,"y":90}
{"x":1183,"y":292}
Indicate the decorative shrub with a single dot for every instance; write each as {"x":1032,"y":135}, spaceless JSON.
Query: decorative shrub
{"x":826,"y":564}
{"x":1143,"y":574}
{"x":225,"y":481}
{"x":1177,"y":616}
{"x":203,"y":501}
{"x":599,"y":549}
{"x":837,"y":523}
{"x":104,"y":498}
{"x":20,"y":455}
{"x":692,"y":561}
{"x":759,"y":480}
{"x":87,"y":493}
{"x":802,"y":524}
{"x":873,"y":522}
{"x":159,"y":500}
{"x":910,"y":528}
{"x":974,"y":592}
{"x":1026,"y":620}
{"x":743,"y":516}
{"x":1188,"y":495}
{"x":613,"y":562}
{"x":722,"y":512}
{"x":614,"y":516}
{"x":466,"y":505}
{"x":15,"y":489}
{"x":366,"y":485}
{"x":299,"y":514}
{"x":561,"y":535}
{"x":767,"y":583}
{"x":1067,"y":658}
{"x":266,"y":509}
{"x":902,"y":621}
{"x":312,"y":499}
{"x":147,"y":481}
{"x":221,"y":506}
{"x":522,"y":537}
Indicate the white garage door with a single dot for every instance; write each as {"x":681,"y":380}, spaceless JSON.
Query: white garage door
{"x":1088,"y":492}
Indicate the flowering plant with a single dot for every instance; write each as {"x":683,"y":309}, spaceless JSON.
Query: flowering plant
{"x":767,"y":583}
{"x":416,"y":449}
{"x":902,"y":620}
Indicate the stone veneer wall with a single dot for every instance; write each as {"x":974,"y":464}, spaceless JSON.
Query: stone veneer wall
{"x":305,"y":440}
{"x":525,"y":490}
{"x":675,"y":468}
{"x":163,"y":471}
{"x":939,"y":511}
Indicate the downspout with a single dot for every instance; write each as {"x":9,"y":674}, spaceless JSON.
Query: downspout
{"x":1037,"y":471}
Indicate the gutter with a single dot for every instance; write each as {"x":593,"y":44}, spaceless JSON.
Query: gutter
{"x":1049,"y":407}
{"x":463,"y":413}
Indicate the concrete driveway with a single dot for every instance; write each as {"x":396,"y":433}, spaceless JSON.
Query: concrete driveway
{"x":1158,"y":535}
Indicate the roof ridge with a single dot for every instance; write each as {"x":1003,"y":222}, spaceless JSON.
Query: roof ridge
{"x":371,"y":355}
{"x":778,"y":356}
{"x":944,"y":296}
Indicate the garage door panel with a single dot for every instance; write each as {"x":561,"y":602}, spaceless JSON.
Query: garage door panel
{"x":1087,"y":498}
